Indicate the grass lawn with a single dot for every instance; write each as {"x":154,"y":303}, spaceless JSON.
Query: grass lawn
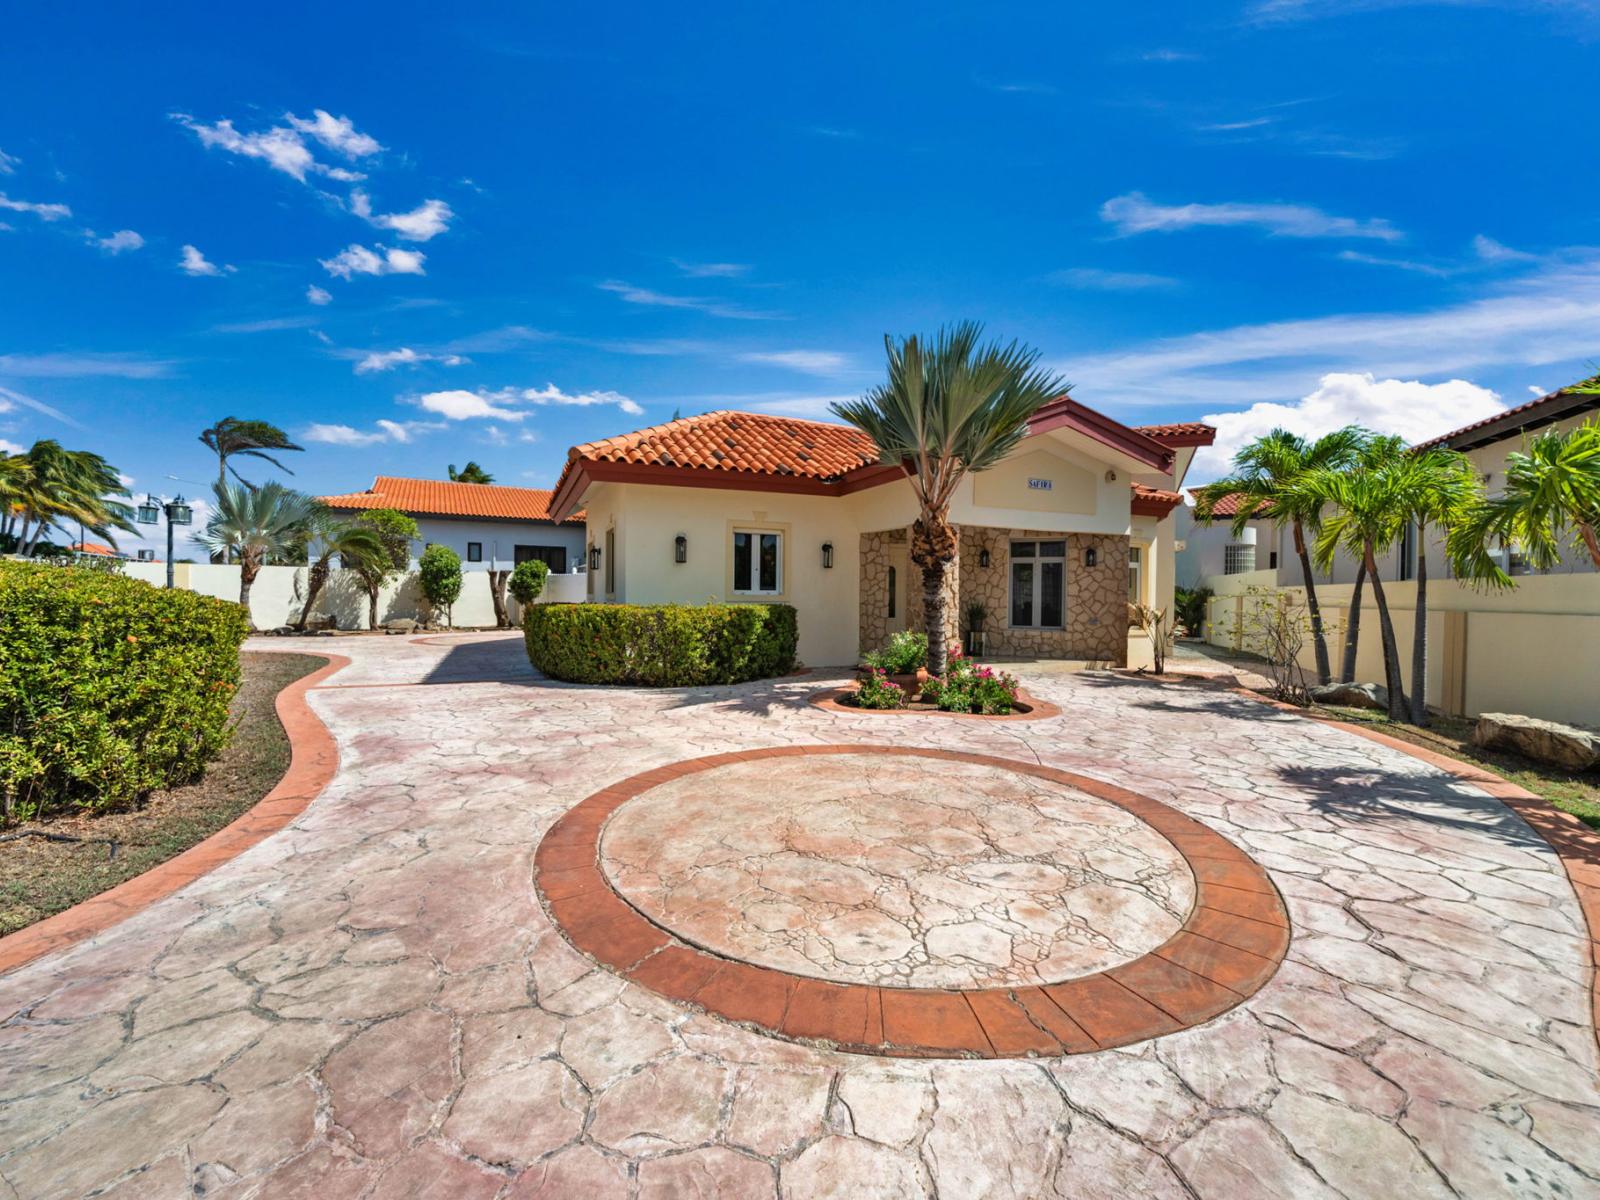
{"x":39,"y":877}
{"x":1578,"y":794}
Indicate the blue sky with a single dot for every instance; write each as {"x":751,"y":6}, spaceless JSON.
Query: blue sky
{"x":414,"y":236}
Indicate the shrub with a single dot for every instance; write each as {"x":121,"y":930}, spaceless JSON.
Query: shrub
{"x":439,"y":576}
{"x":1190,"y":607}
{"x":876,"y":691}
{"x":661,"y":645}
{"x":109,"y":688}
{"x":967,"y":687}
{"x":905,"y":653}
{"x":527,"y":581}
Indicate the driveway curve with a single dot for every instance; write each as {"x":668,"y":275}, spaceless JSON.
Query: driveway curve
{"x":372,"y":1002}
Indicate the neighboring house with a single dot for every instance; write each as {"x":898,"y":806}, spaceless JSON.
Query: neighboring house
{"x":733,"y":506}
{"x":1215,"y":549}
{"x":484,"y":523}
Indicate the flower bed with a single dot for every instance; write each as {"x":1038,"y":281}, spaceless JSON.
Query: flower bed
{"x":966,"y":689}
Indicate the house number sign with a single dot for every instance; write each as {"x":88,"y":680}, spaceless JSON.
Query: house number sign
{"x":1039,"y":485}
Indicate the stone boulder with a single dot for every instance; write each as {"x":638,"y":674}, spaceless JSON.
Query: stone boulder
{"x":1546,"y":741}
{"x":1352,"y":695}
{"x":401,"y":625}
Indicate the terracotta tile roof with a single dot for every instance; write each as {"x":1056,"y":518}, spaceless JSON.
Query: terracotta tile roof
{"x":436,"y":498}
{"x":758,"y":443}
{"x":1563,"y":402}
{"x":1181,"y":433}
{"x":1228,"y":506}
{"x":1154,"y":502}
{"x":92,"y":548}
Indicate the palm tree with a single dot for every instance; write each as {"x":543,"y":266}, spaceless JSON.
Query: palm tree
{"x":333,"y":537}
{"x":395,"y":531}
{"x":950,"y":406}
{"x":1551,"y":493}
{"x":1371,"y":507}
{"x":235,"y":438}
{"x":1440,"y":488}
{"x":1266,"y":477}
{"x":256,"y":524}
{"x":49,"y":486}
{"x":471,"y":473}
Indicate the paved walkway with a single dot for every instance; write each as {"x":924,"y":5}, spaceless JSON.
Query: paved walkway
{"x":372,"y":1003}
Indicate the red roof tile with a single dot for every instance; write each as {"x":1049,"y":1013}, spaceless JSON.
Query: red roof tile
{"x":1228,"y":506}
{"x":92,"y":548}
{"x":1546,"y":409}
{"x":436,"y":498}
{"x":1182,"y":433}
{"x":737,"y":441}
{"x":1154,"y":502}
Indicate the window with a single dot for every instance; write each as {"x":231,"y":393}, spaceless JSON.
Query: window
{"x":611,"y":562}
{"x":891,"y":593}
{"x":554,"y":557}
{"x":1135,"y":574}
{"x":1272,"y":559}
{"x":1038,"y":585}
{"x":757,"y":563}
{"x":1408,"y":552}
{"x":474,"y":551}
{"x":1238,"y":558}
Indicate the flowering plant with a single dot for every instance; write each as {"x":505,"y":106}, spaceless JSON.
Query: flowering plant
{"x":877,"y":691}
{"x":967,"y":687}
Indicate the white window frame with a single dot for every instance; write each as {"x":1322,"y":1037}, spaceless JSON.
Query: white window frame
{"x":755,"y":536}
{"x":1136,"y":553}
{"x":1038,"y":562}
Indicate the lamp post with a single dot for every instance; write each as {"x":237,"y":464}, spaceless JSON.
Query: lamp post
{"x":177,"y":512}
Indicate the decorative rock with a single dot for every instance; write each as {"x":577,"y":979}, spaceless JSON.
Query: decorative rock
{"x":1564,"y":745}
{"x":1352,"y":695}
{"x":400,"y":625}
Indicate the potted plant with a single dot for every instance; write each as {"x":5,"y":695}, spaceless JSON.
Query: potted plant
{"x":977,"y":614}
{"x":904,"y":660}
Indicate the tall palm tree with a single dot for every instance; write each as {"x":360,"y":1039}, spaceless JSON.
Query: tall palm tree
{"x":232,"y":437}
{"x":950,"y":406}
{"x":255,"y":524}
{"x":471,"y":473}
{"x":1266,"y":478}
{"x":55,"y":487}
{"x":1439,"y":488}
{"x":1551,"y":493}
{"x":331,"y":537}
{"x":1370,"y":509}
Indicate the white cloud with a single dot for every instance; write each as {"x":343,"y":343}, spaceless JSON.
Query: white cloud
{"x":1135,"y":213}
{"x":716,"y":308}
{"x":502,"y":405}
{"x":283,"y":148}
{"x":318,"y":296}
{"x":388,"y":360}
{"x":122,"y":239}
{"x":356,"y":259}
{"x":1415,"y":411}
{"x":386,"y":431}
{"x":1166,"y":55}
{"x":1399,"y":264}
{"x":1492,"y":251}
{"x":45,"y":212}
{"x":195,"y":263}
{"x":83,"y":366}
{"x":426,"y":221}
{"x":9,"y":447}
{"x":336,"y":133}
{"x":812,"y":362}
{"x":714,"y":270}
{"x":1093,"y":279}
{"x":1545,"y":319}
{"x":1536,"y":390}
{"x":8,"y":163}
{"x":789,"y":404}
{"x":13,"y":398}
{"x":550,"y":394}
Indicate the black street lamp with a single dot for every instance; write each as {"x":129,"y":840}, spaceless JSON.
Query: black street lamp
{"x":177,"y":512}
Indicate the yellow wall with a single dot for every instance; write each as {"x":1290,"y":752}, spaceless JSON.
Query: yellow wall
{"x":1011,"y":485}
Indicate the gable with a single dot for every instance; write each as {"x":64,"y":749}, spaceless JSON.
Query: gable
{"x":1037,"y":481}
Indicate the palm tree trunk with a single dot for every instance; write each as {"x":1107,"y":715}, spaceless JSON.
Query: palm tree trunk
{"x":372,"y":607}
{"x":933,"y":615}
{"x":1391,"y":649}
{"x":1591,"y":540}
{"x":1352,"y":631}
{"x":315,"y":579}
{"x":247,"y":577}
{"x":1419,"y":637}
{"x":1319,"y":640}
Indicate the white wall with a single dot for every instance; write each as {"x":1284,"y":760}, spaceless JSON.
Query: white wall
{"x":498,"y":538}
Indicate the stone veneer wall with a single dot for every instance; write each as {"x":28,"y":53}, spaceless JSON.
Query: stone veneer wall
{"x":875,"y":561}
{"x":1097,"y":597}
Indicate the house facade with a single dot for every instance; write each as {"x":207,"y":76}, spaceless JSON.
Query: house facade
{"x":747,"y":507}
{"x":488,"y":525}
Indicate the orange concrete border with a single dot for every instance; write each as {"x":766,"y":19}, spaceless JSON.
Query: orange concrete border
{"x":1575,"y":844}
{"x":313,"y":761}
{"x":1031,"y":708}
{"x":1231,"y":944}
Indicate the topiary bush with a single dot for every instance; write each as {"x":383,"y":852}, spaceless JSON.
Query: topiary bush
{"x":527,"y":581}
{"x":439,"y":577}
{"x":109,"y":687}
{"x":661,"y":645}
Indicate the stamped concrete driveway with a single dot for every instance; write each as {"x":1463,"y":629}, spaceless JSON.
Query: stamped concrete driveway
{"x":373,"y":1003}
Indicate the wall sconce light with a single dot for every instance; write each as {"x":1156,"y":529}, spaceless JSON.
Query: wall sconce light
{"x":1111,"y":476}
{"x":827,"y":555}
{"x":680,"y":549}
{"x":983,"y":557}
{"x":594,"y":558}
{"x":1090,"y":557}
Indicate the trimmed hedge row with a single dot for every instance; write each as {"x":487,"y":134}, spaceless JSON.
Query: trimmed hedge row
{"x":109,"y":687}
{"x":661,"y":645}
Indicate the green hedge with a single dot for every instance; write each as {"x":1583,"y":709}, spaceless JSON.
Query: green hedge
{"x":661,"y":645}
{"x":109,"y":687}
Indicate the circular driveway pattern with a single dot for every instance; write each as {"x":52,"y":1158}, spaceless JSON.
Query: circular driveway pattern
{"x":1233,"y":935}
{"x":897,"y":871}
